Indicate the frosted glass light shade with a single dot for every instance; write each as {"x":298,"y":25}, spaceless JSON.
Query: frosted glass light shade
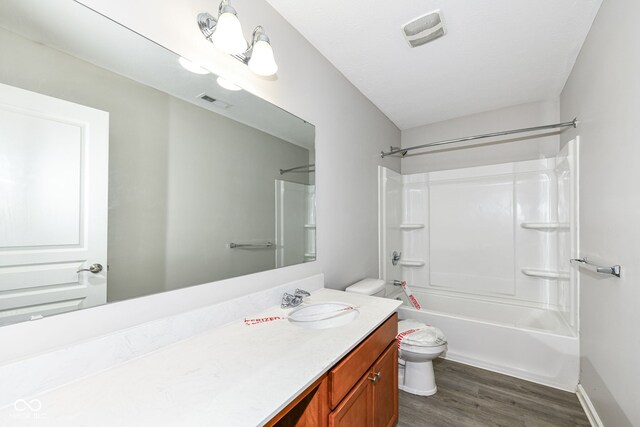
{"x":227,"y":84}
{"x":228,"y":35}
{"x":191,"y":66}
{"x":262,"y":61}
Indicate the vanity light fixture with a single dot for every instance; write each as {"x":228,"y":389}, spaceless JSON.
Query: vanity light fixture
{"x":225,"y":32}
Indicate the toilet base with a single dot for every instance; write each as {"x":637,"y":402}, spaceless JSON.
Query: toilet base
{"x":418,"y":392}
{"x":417,"y":378}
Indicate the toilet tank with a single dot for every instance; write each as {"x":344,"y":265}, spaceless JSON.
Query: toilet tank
{"x":373,"y":287}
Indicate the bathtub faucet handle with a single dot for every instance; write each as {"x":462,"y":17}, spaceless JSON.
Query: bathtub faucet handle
{"x":395,"y":257}
{"x":397,"y":283}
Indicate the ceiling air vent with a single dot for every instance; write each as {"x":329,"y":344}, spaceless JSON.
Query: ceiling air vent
{"x":207,"y":98}
{"x":424,"y":29}
{"x":214,"y":101}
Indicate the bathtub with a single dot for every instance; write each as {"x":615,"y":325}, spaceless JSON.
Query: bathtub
{"x":525,"y":342}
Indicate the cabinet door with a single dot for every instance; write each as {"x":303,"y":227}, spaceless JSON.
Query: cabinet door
{"x":356,"y":409}
{"x":349,"y":370}
{"x":385,"y":388}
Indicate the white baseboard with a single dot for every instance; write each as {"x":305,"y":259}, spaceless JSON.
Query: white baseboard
{"x":588,"y":407}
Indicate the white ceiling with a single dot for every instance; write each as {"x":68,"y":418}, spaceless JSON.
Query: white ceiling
{"x":496,"y":53}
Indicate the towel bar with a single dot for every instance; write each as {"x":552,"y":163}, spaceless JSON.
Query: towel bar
{"x":583,"y":262}
{"x":250,"y":245}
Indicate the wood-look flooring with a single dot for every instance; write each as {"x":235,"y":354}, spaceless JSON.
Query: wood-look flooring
{"x":469,"y":396}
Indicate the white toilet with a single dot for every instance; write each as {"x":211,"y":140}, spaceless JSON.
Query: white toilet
{"x":419,"y":345}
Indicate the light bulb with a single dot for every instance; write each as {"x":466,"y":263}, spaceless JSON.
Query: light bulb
{"x":228,"y":36}
{"x":262,"y":61}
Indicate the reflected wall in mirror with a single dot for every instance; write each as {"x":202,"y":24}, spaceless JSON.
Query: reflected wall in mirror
{"x":123,"y":174}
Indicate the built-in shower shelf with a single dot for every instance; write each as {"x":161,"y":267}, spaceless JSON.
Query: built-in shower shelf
{"x":546,"y":274}
{"x":310,"y":255}
{"x":545,"y":225}
{"x":412,"y":263}
{"x":411,"y":226}
{"x":310,"y":226}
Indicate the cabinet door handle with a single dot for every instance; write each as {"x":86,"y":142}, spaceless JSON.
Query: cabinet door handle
{"x":375,"y":377}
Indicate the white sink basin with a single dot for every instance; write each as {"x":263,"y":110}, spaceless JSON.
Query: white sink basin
{"x":323,"y":315}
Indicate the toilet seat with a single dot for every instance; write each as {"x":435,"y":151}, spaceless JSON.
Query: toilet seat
{"x":420,"y":338}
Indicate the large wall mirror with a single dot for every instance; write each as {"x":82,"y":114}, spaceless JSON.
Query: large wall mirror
{"x":126,"y":170}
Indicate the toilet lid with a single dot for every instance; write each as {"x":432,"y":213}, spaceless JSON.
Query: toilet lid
{"x":415,"y":333}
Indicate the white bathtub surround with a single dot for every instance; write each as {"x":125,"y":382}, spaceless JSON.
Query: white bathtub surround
{"x":233,"y":375}
{"x":486,"y":251}
{"x":473,"y":243}
{"x":31,"y":376}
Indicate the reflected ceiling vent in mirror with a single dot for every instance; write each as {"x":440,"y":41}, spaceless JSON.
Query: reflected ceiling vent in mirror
{"x":424,"y":29}
{"x":214,"y":101}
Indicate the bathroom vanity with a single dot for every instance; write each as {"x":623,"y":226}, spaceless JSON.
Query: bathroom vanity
{"x":361,"y":389}
{"x":240,"y":373}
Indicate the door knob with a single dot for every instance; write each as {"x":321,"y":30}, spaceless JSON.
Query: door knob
{"x":94,"y":268}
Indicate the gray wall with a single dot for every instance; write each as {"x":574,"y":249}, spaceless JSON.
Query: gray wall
{"x":484,"y":152}
{"x":221,"y":189}
{"x":183,"y":181}
{"x":604,"y":92}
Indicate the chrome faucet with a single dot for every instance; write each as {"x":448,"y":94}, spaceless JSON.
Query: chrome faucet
{"x":294,"y":300}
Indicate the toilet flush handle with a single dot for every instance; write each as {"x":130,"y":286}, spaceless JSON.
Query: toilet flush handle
{"x":375,"y":377}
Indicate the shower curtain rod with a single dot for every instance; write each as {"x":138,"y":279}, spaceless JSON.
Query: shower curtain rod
{"x":297,"y":169}
{"x":396,"y":150}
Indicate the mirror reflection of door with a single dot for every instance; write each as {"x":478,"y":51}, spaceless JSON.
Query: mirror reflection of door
{"x":53,"y":205}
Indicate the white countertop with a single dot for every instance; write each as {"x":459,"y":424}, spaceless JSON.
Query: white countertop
{"x":235,"y":375}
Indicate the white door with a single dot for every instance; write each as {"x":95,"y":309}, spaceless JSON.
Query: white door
{"x":53,"y":205}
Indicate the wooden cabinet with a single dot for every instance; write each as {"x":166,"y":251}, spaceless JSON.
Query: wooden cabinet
{"x":356,"y":409}
{"x":385,"y":390}
{"x":360,"y":390}
{"x":373,"y":401}
{"x":346,"y":373}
